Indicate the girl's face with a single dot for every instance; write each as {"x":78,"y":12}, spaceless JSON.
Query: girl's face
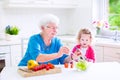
{"x":85,"y":40}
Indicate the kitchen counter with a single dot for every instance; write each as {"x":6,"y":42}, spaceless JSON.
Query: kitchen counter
{"x":11,"y":42}
{"x":107,"y":42}
{"x":72,"y":39}
{"x":95,"y":71}
{"x":96,"y":41}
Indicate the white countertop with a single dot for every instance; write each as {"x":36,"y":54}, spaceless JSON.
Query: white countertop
{"x":107,"y":42}
{"x":95,"y":71}
{"x":11,"y":42}
{"x":96,"y":41}
{"x":72,"y":39}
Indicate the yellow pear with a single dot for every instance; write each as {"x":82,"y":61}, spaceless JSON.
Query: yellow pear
{"x":31,"y":64}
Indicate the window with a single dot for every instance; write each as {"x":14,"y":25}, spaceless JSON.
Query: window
{"x":108,"y":10}
{"x":114,"y":14}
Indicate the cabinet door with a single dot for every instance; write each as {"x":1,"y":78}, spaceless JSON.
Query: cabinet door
{"x":8,"y":59}
{"x":4,"y":49}
{"x":15,"y":54}
{"x":17,"y":1}
{"x":69,"y":44}
{"x":44,"y":3}
{"x":28,"y":3}
{"x":85,"y":3}
{"x":5,"y":54}
{"x":111,"y":54}
{"x":98,"y":53}
{"x":24,"y":45}
{"x":64,"y":2}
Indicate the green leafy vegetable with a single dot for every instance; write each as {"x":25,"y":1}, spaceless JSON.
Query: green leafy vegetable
{"x":12,"y":30}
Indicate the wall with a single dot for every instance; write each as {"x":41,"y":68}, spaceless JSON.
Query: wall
{"x":28,"y":18}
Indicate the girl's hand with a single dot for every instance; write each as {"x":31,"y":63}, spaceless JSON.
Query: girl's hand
{"x":78,"y":52}
{"x":74,"y":56}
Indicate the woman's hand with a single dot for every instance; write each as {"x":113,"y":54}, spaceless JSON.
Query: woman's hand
{"x":63,"y":50}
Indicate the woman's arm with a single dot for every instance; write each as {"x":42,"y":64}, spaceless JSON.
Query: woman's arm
{"x":47,"y":57}
{"x":68,"y":59}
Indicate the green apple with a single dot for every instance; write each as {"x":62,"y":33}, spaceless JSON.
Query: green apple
{"x":81,"y":65}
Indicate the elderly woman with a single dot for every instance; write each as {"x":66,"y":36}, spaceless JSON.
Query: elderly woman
{"x":45,"y":47}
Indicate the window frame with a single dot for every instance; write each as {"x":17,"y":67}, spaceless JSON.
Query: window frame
{"x":100,"y":12}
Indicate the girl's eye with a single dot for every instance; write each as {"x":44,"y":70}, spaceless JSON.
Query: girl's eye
{"x":82,"y":39}
{"x":87,"y":40}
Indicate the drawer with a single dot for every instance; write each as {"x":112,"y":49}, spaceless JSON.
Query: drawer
{"x":4,"y":49}
{"x":98,"y":50}
{"x":111,"y":59}
{"x":98,"y":53}
{"x":2,"y":57}
{"x":112,"y":52}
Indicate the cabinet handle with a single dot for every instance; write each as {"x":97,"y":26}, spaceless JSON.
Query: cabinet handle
{"x":118,"y":53}
{"x":2,"y":53}
{"x":42,"y":0}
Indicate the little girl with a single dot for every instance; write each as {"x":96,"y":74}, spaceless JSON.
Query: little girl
{"x":83,"y":49}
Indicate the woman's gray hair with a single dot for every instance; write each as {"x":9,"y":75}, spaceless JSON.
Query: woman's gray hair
{"x":49,"y":18}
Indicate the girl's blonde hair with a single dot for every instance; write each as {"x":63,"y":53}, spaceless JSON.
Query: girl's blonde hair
{"x":83,"y":31}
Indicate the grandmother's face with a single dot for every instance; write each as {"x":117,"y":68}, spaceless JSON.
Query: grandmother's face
{"x":50,"y":30}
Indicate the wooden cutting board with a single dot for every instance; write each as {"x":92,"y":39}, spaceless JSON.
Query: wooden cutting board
{"x":28,"y":73}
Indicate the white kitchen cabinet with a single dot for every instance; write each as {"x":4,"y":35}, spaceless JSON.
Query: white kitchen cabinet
{"x":12,"y":54}
{"x":68,"y":41}
{"x":111,"y":54}
{"x":69,"y":44}
{"x":99,"y":54}
{"x":27,"y":3}
{"x":24,"y":45}
{"x":43,"y":3}
{"x":65,"y":3}
{"x":15,"y":54}
{"x":84,"y":3}
{"x":5,"y":54}
{"x":12,"y":51}
{"x":107,"y":54}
